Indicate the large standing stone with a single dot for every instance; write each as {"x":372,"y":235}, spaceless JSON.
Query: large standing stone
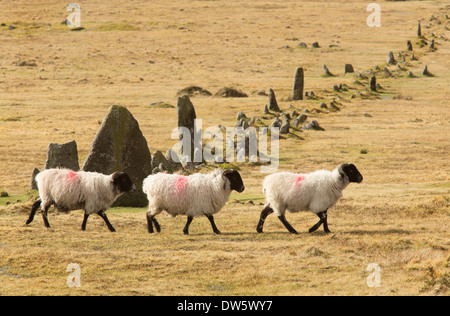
{"x":297,"y":89}
{"x":62,"y":156}
{"x":273,"y":104}
{"x":120,"y":146}
{"x":186,"y":118}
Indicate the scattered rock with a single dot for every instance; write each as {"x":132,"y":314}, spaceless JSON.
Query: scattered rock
{"x":323,"y":105}
{"x":387,"y":73}
{"x":312,"y":125}
{"x":193,"y":91}
{"x":315,"y":45}
{"x":229,"y":92}
{"x":302,"y":45}
{"x":159,"y":159}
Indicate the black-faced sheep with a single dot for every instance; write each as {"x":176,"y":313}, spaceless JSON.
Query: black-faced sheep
{"x":315,"y":192}
{"x":68,"y":190}
{"x":194,"y":195}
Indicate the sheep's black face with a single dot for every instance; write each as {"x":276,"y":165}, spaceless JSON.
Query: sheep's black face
{"x":123,"y":182}
{"x":351,"y":172}
{"x":236,"y":182}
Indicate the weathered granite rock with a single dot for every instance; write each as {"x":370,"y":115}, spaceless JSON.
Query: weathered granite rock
{"x":120,"y":146}
{"x":62,"y":156}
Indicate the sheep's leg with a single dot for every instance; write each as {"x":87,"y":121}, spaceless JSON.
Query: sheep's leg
{"x":44,"y":212}
{"x":213,"y":225}
{"x":149,"y":223}
{"x":155,"y":222}
{"x":34,"y":208}
{"x":323,"y":220}
{"x":83,"y":226}
{"x":265,"y":212}
{"x":105,"y":218}
{"x":287,"y":225}
{"x":186,"y":228}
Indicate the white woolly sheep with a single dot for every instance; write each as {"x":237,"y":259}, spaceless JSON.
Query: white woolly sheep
{"x":194,"y":195}
{"x":68,"y":190}
{"x":315,"y":192}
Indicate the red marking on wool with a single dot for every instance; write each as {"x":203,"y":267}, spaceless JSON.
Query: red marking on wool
{"x":72,"y":177}
{"x":181,"y":184}
{"x":299,"y":180}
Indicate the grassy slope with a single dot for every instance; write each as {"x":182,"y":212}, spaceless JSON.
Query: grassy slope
{"x":397,"y":218}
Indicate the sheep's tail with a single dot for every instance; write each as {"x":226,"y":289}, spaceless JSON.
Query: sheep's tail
{"x":34,"y":208}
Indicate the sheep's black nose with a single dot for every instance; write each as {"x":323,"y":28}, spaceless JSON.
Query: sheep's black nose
{"x":242,"y":189}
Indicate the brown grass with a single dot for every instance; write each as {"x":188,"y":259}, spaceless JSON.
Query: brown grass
{"x":398,"y":217}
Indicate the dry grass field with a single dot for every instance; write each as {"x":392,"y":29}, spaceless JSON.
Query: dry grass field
{"x":56,"y":85}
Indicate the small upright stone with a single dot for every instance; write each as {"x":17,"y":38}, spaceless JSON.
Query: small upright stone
{"x":284,"y":129}
{"x":240,"y":115}
{"x":266,"y":109}
{"x":409,"y":45}
{"x":297,"y":89}
{"x":273,"y":104}
{"x":373,"y":84}
{"x":425,"y":71}
{"x":391,"y":60}
{"x":419,"y":30}
{"x":432,"y":47}
{"x":349,"y":68}
{"x":186,"y":118}
{"x":326,"y":72}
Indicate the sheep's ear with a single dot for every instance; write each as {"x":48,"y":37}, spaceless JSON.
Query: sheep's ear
{"x":225,"y":178}
{"x":115,"y":176}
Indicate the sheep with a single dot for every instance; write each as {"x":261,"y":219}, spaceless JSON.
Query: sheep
{"x":315,"y":192}
{"x":68,"y":190}
{"x":194,"y":195}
